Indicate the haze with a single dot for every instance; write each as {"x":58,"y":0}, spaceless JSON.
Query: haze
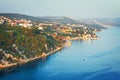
{"x":70,"y":8}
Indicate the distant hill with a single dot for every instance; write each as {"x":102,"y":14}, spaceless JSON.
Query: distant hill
{"x":22,"y":16}
{"x":111,"y":21}
{"x":49,"y":19}
{"x":63,"y":20}
{"x":106,"y":22}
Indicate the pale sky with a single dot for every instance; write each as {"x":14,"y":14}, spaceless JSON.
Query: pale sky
{"x":70,"y":8}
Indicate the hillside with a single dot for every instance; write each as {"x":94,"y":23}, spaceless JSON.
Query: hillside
{"x":111,"y":21}
{"x":61,"y":20}
{"x":105,"y":22}
{"x":18,"y":44}
{"x":21,"y":16}
{"x":51,"y":19}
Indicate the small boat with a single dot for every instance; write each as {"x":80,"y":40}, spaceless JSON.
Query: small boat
{"x":84,"y":59}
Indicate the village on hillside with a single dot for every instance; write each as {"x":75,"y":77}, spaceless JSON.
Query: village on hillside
{"x":59,"y":31}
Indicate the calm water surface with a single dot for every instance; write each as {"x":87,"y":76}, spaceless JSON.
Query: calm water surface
{"x":83,"y":60}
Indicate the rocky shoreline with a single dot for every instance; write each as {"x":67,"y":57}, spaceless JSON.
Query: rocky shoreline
{"x":82,"y":38}
{"x":7,"y":67}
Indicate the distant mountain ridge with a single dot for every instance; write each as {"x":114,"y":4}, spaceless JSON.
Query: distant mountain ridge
{"x":50,"y":19}
{"x":111,"y":21}
{"x":21,"y":16}
{"x":106,"y":22}
{"x":62,"y":19}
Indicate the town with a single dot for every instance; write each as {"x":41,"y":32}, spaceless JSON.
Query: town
{"x":57,"y":30}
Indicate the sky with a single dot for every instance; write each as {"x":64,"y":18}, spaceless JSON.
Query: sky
{"x":70,"y":8}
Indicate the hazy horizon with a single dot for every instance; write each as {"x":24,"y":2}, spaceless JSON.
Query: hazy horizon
{"x":69,"y":8}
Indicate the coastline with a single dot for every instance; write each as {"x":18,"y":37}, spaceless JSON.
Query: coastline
{"x":31,"y":59}
{"x":44,"y":54}
{"x":84,"y":38}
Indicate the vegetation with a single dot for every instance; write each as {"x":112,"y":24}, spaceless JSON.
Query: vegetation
{"x":23,"y":42}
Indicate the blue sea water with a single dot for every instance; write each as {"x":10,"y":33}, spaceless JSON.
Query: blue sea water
{"x":83,"y":60}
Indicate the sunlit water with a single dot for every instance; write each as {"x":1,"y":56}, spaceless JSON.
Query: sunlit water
{"x":83,"y":60}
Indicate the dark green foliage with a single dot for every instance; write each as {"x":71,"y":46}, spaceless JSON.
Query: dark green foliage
{"x":51,"y":42}
{"x":28,"y":42}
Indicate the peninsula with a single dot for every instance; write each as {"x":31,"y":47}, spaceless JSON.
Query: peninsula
{"x":24,"y":40}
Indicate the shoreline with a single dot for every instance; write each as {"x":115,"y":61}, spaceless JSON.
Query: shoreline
{"x":32,"y":59}
{"x":44,"y":55}
{"x":82,"y":38}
